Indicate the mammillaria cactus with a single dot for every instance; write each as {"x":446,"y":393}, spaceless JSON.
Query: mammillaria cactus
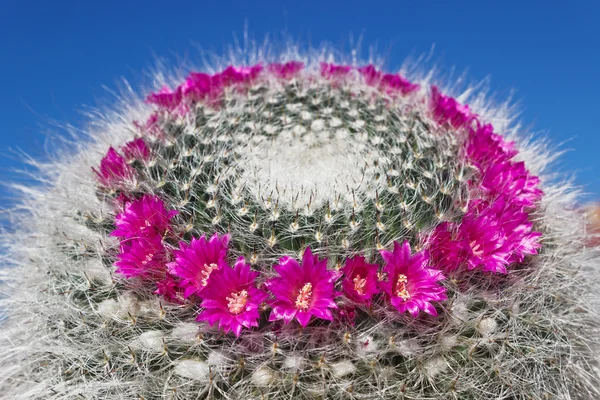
{"x":305,"y":229}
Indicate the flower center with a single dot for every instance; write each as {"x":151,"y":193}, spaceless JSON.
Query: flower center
{"x":401,"y":290}
{"x":476,"y":248}
{"x":148,"y":259}
{"x":359,"y":284}
{"x":237,"y":302}
{"x":146,"y":225}
{"x":304,"y":296}
{"x":208,"y":269}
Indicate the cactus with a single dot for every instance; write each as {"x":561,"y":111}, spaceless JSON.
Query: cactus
{"x":306,"y":230}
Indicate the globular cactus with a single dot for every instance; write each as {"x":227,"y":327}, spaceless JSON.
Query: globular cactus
{"x":300,"y":228}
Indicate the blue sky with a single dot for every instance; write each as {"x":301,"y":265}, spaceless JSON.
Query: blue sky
{"x":56,"y":57}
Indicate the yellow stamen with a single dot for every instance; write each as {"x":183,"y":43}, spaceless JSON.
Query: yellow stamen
{"x":359,"y":284}
{"x":476,"y":248}
{"x":401,"y":290}
{"x":208,"y":269}
{"x":148,"y":259}
{"x":304,"y":296}
{"x":237,"y":302}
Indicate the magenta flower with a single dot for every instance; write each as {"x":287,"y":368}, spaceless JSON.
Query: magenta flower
{"x":165,"y":98}
{"x":515,"y":225}
{"x":144,"y":217}
{"x":360,"y":280}
{"x":445,"y":250}
{"x":370,"y":74}
{"x":195,"y":263}
{"x":136,"y":149}
{"x":483,"y":242}
{"x":302,"y":291}
{"x":197,"y":86}
{"x":513,"y":182}
{"x":447,"y":110}
{"x":232,"y":75}
{"x":491,"y":236}
{"x":114,"y":170}
{"x":168,"y":287}
{"x":232,"y":299}
{"x":142,"y":256}
{"x":332,"y":71}
{"x":286,"y":70}
{"x":396,"y":83}
{"x":410,"y":285}
{"x":485,"y":148}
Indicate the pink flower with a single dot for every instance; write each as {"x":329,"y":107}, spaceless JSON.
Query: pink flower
{"x":168,"y":287}
{"x":114,"y":170}
{"x":334,"y":71}
{"x":491,"y":236}
{"x":232,"y":299}
{"x":447,"y":110}
{"x":395,"y":82}
{"x":144,"y":217}
{"x":232,"y":75}
{"x":511,"y":181}
{"x":360,"y":280}
{"x":195,"y":263}
{"x":165,"y":98}
{"x":198,"y":85}
{"x":410,"y":285}
{"x":485,"y":148}
{"x":371,"y":75}
{"x":136,"y":149}
{"x":302,"y":291}
{"x":142,"y":256}
{"x":514,"y":222}
{"x":287,"y":70}
{"x":483,"y":242}
{"x":444,"y":248}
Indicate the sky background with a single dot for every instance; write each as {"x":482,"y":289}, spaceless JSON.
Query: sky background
{"x":58,"y":57}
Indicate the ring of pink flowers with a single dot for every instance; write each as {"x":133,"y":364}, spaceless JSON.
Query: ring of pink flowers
{"x":491,"y":200}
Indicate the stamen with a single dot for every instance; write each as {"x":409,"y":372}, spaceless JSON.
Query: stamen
{"x":208,"y":269}
{"x":476,"y":248}
{"x":148,"y":259}
{"x":237,"y":302}
{"x":304,"y":297}
{"x":359,"y":284}
{"x":401,"y":290}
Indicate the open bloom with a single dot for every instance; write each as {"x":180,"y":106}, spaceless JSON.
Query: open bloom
{"x":447,"y":109}
{"x":166,"y":98}
{"x":396,"y":83}
{"x":114,"y":170}
{"x":168,"y":287}
{"x":232,"y":75}
{"x":144,"y":217}
{"x":410,"y":285}
{"x":141,"y":257}
{"x":231,"y":298}
{"x":483,"y":242}
{"x":302,"y":291}
{"x":370,"y":74}
{"x":286,"y":70}
{"x":136,"y":149}
{"x":485,"y":148}
{"x":512,"y":181}
{"x":334,"y":71}
{"x":360,"y":280}
{"x":195,"y":263}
